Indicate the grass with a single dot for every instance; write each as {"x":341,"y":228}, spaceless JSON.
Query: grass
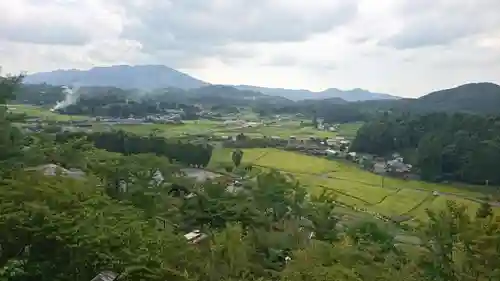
{"x":356,"y":187}
{"x":44,"y":113}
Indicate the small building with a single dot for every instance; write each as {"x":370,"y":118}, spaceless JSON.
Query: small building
{"x":352,"y":156}
{"x":380,"y":167}
{"x":331,"y":152}
{"x":105,"y":276}
{"x":344,"y":142}
{"x":195,"y":236}
{"x":398,"y":166}
{"x":53,"y":170}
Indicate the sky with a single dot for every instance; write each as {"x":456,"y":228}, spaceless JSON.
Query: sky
{"x":403,"y":47}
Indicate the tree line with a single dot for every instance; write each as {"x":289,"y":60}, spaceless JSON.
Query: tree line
{"x":187,"y":153}
{"x":458,"y":147}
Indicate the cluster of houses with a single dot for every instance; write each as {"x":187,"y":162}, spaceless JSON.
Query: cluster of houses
{"x":379,"y":165}
{"x":327,"y":127}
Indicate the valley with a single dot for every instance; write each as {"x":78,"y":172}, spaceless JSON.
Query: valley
{"x":359,"y":190}
{"x":194,"y":176}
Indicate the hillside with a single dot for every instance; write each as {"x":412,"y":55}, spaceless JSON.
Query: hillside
{"x":144,"y":77}
{"x":350,"y":95}
{"x":477,"y":98}
{"x":473,"y":98}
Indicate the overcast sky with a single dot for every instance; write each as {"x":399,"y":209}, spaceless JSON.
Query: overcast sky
{"x":402,"y":47}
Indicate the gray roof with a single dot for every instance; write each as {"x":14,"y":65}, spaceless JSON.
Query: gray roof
{"x":105,"y":276}
{"x":53,"y":169}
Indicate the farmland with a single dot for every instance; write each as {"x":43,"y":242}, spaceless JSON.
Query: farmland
{"x":355,"y":187}
{"x":44,"y":113}
{"x":169,"y":130}
{"x":280,"y":128}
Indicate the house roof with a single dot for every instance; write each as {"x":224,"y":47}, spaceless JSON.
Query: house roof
{"x":105,"y":276}
{"x":53,"y":169}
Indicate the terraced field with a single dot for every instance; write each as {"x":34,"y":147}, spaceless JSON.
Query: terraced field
{"x":358,"y":188}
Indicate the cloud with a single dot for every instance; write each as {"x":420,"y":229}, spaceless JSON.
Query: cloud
{"x":441,"y":22}
{"x":202,"y":27}
{"x":407,"y":47}
{"x":56,"y":22}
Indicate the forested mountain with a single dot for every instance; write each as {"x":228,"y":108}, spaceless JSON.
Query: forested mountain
{"x":458,"y":147}
{"x":143,"y":77}
{"x":149,"y":77}
{"x":481,"y":98}
{"x":477,"y":98}
{"x":116,"y":102}
{"x":349,"y":95}
{"x":218,"y":94}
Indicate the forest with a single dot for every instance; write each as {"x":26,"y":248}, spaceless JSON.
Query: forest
{"x":187,"y":153}
{"x":62,"y":228}
{"x":458,"y":147}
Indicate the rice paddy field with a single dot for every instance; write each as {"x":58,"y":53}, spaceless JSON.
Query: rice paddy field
{"x":198,"y":127}
{"x":355,"y":187}
{"x":283,"y":129}
{"x":286,"y":129}
{"x":217,"y":128}
{"x":44,"y":113}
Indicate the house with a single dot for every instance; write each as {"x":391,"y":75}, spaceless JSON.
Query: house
{"x":331,"y":152}
{"x":344,"y":142}
{"x":105,"y":276}
{"x":195,"y":237}
{"x":53,"y":170}
{"x":352,"y":155}
{"x":398,"y":166}
{"x":380,"y":167}
{"x":331,"y":142}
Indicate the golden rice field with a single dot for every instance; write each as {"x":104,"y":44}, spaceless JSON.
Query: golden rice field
{"x":356,"y":187}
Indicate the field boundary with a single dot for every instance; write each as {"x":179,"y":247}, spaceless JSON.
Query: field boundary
{"x":425,"y":200}
{"x":346,"y":194}
{"x":387,"y":196}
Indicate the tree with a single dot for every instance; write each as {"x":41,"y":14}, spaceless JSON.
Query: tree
{"x":51,"y":221}
{"x":237,"y":156}
{"x":315,"y":119}
{"x":484,"y":210}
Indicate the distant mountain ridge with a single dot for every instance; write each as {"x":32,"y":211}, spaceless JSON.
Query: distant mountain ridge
{"x":150,"y":77}
{"x":349,"y":95}
{"x":143,"y":77}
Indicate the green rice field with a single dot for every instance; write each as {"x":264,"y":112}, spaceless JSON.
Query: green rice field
{"x":355,"y":187}
{"x":44,"y":113}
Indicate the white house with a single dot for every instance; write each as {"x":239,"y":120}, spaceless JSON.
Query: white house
{"x":53,"y":170}
{"x":195,"y":236}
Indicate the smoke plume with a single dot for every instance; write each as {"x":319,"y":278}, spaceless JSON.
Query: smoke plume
{"x":71,"y":96}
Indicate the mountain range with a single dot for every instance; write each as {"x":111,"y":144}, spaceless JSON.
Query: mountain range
{"x":150,"y":77}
